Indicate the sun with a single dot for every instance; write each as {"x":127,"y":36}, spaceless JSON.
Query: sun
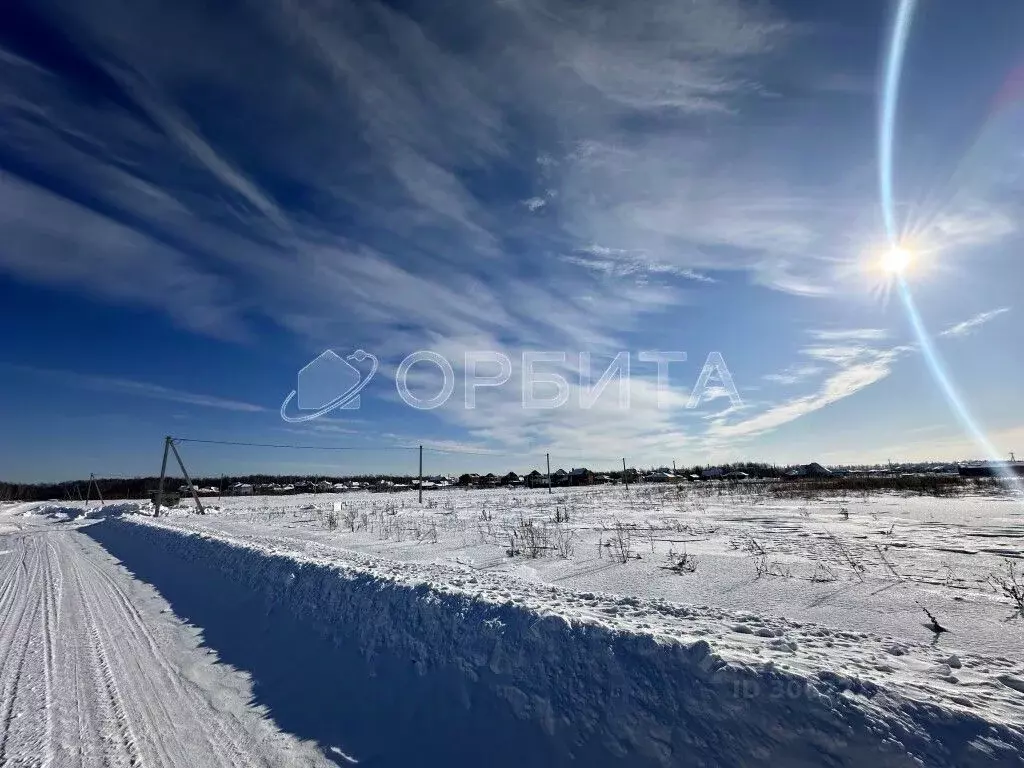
{"x":897,"y":260}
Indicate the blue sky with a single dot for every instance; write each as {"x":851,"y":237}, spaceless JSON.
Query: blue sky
{"x":197,"y":200}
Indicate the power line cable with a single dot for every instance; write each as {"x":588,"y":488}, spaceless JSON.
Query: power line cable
{"x":287,"y":445}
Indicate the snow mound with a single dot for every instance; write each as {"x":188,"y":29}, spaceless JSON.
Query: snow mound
{"x":609,"y":681}
{"x":115,"y":509}
{"x":71,"y":512}
{"x":60,"y":512}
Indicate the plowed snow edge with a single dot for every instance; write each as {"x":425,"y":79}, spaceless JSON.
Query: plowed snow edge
{"x":575,"y":691}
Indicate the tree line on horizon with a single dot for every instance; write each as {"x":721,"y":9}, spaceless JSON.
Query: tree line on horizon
{"x":140,"y":487}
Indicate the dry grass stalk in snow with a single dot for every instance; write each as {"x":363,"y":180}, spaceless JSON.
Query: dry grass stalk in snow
{"x":855,"y":564}
{"x":824,"y":573}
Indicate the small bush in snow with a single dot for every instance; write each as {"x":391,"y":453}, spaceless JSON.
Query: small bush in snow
{"x":933,"y":623}
{"x":538,"y":538}
{"x":681,"y":563}
{"x":650,"y":535}
{"x":1011,"y":585}
{"x":565,"y":542}
{"x":762,"y":565}
{"x":330,"y":520}
{"x":621,"y":544}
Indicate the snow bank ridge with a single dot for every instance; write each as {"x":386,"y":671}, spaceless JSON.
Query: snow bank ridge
{"x":613,"y":697}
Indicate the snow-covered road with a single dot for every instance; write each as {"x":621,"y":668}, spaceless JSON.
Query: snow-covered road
{"x":95,"y":670}
{"x":223,"y":641}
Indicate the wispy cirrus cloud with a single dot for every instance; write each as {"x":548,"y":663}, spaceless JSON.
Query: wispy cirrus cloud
{"x":347,"y":120}
{"x":57,"y":242}
{"x":844,"y":362}
{"x":458,"y":175}
{"x":852,"y":369}
{"x":839,"y":363}
{"x":969,"y":326}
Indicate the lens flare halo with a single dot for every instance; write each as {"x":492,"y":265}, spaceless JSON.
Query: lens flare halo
{"x":897,"y":260}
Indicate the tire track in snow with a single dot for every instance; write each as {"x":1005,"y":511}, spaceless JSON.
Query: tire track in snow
{"x":183,"y":691}
{"x":73,"y":723}
{"x":172,"y":701}
{"x":81,"y":741}
{"x":16,"y":637}
{"x":92,"y":674}
{"x":13,"y":585}
{"x":103,"y":680}
{"x":50,"y":622}
{"x":10,"y":572}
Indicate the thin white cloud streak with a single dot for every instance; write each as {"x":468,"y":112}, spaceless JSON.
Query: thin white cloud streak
{"x":686,"y":56}
{"x":793,"y":374}
{"x":857,"y":365}
{"x":855,"y":334}
{"x":972,"y":225}
{"x":845,"y":361}
{"x":176,"y":126}
{"x":143,"y":389}
{"x":609,"y":262}
{"x":969,"y":326}
{"x":851,"y":378}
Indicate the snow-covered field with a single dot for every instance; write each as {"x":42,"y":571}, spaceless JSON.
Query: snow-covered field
{"x":855,"y":563}
{"x":701,"y":625}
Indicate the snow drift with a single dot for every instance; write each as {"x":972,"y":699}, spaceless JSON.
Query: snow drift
{"x":70,"y":512}
{"x":381,"y":665}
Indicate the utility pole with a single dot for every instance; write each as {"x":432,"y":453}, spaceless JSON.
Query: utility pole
{"x":673,"y":466}
{"x":625,"y":474}
{"x":548,"y":457}
{"x":163,"y":474}
{"x":99,"y":493}
{"x":1012,"y":457}
{"x":191,"y":485}
{"x":421,"y":474}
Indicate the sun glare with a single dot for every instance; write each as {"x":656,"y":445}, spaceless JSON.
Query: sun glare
{"x":897,"y":260}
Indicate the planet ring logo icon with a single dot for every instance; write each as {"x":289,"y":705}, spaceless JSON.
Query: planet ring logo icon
{"x":328,"y":383}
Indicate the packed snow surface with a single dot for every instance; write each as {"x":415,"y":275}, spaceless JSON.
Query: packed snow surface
{"x":595,"y":626}
{"x":96,"y":671}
